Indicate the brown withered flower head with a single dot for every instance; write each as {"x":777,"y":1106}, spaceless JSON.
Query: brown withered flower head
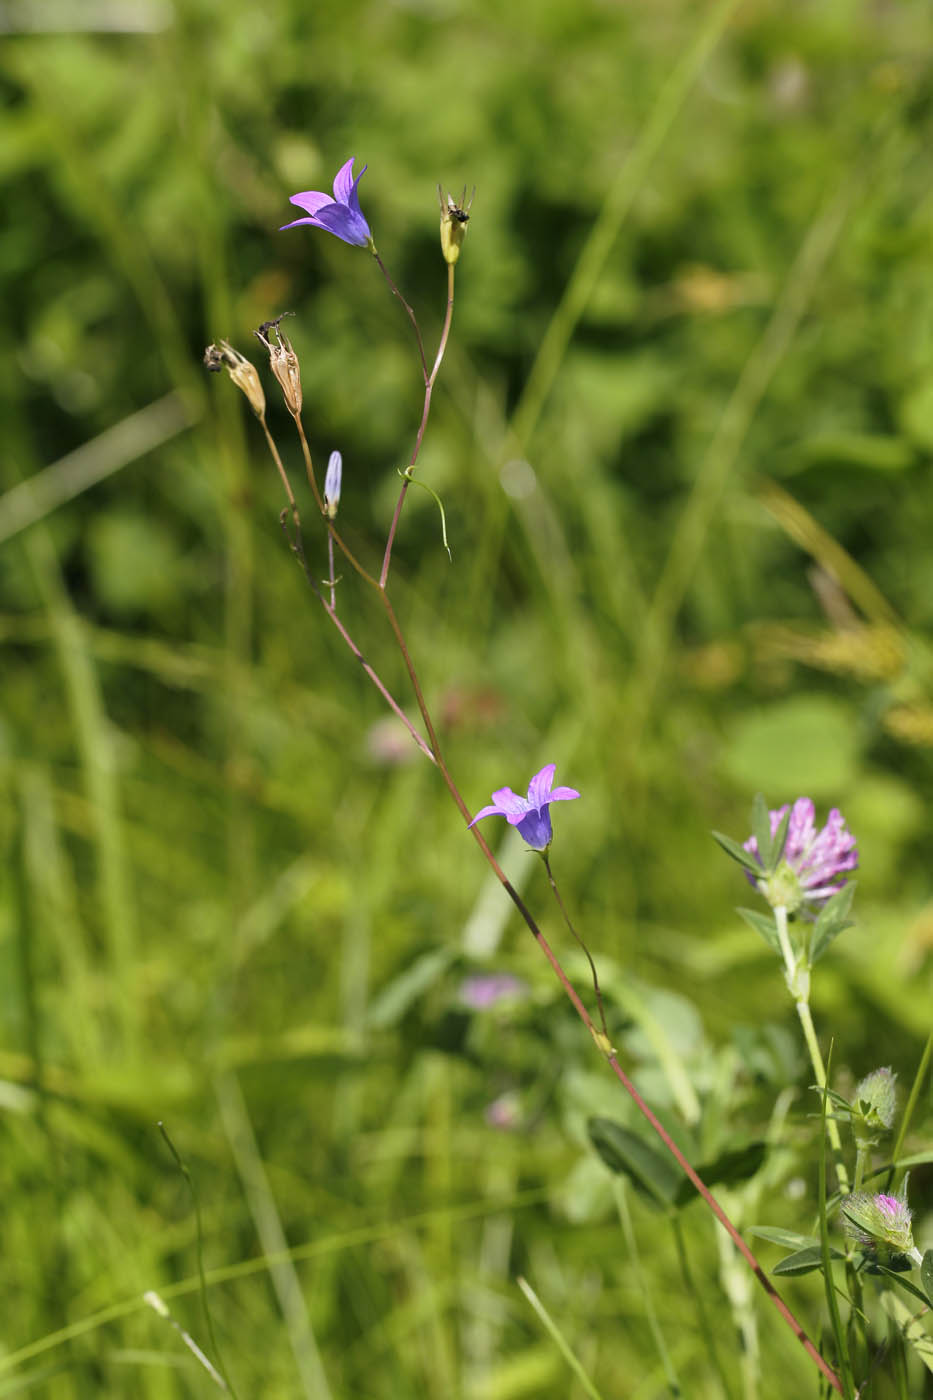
{"x":244,"y":374}
{"x":282,"y":361}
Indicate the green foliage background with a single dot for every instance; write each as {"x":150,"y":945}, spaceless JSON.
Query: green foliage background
{"x":683,"y":436}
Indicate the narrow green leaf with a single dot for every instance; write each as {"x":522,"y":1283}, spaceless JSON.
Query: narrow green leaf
{"x":926,"y":1275}
{"x":733,"y":849}
{"x":739,"y":1164}
{"x":763,"y":924}
{"x":788,"y":1239}
{"x":833,"y":919}
{"x":403,"y":991}
{"x":656,"y":1176}
{"x":805,"y":1261}
{"x":912,"y":1328}
{"x":899,"y":1276}
{"x":408,"y":475}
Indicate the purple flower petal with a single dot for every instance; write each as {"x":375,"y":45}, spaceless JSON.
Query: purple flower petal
{"x":539,"y":789}
{"x":821,"y":859}
{"x":340,"y":216}
{"x":344,"y":182}
{"x":536,"y":829}
{"x":310,"y":200}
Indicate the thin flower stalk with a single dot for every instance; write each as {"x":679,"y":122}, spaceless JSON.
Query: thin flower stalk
{"x":798,"y":983}
{"x":296,"y":544}
{"x":567,"y":920}
{"x":332,"y":531}
{"x":409,"y":313}
{"x":429,"y":380}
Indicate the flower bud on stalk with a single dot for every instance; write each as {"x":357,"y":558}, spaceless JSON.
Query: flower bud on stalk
{"x":244,"y":374}
{"x":873,"y":1105}
{"x":332,"y":483}
{"x":454,"y":220}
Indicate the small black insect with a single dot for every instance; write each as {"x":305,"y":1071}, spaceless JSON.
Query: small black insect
{"x":461,"y":211}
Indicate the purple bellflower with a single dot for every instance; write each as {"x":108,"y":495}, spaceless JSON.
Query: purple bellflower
{"x":530,"y":814}
{"x":815,"y":864}
{"x":340,"y":215}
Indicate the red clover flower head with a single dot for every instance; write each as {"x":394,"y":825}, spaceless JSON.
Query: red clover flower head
{"x":530,"y":814}
{"x":814,"y":865}
{"x":341,"y":215}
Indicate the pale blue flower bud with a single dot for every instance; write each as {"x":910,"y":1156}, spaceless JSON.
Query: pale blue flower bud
{"x":332,"y":483}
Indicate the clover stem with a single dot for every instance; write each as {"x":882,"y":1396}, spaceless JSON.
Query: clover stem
{"x":802,"y":1003}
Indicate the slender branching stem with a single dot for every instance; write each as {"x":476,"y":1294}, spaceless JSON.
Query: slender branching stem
{"x":296,"y":544}
{"x":432,"y":750}
{"x":309,"y":463}
{"x":582,"y":1012}
{"x":298,"y":550}
{"x":331,"y":579}
{"x":567,"y":920}
{"x":429,"y":380}
{"x":411,"y":315}
{"x":445,"y":331}
{"x":270,"y":442}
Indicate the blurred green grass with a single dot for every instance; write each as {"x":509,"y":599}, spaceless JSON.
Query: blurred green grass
{"x":215,"y":873}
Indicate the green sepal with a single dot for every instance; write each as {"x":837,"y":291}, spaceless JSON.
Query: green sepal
{"x":764,"y":925}
{"x":761,"y":829}
{"x":833,"y":920}
{"x":737,"y":852}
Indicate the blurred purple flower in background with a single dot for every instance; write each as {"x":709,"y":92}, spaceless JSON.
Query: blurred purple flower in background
{"x":484,"y":989}
{"x":503,"y":1112}
{"x":341,"y":215}
{"x":530,"y":814}
{"x":820,"y":860}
